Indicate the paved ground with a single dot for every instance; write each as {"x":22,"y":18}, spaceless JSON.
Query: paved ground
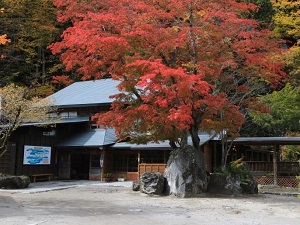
{"x":90,"y":202}
{"x":59,"y":185}
{"x":46,"y":186}
{"x":275,"y":190}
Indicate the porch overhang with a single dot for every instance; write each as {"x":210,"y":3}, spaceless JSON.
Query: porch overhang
{"x":90,"y":138}
{"x":268,"y":140}
{"x":161,"y":145}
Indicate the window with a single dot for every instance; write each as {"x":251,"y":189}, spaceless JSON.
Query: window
{"x":95,"y":161}
{"x":68,"y":114}
{"x":155,"y":156}
{"x":125,"y":162}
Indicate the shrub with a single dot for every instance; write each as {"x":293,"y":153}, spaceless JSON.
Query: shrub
{"x":238,"y":167}
{"x":108,"y":175}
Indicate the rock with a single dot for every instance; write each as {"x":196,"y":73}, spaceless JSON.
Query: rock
{"x":185,"y":173}
{"x":249,"y":186}
{"x":233,"y":183}
{"x":152,"y":183}
{"x":14,"y":182}
{"x":217,"y":183}
{"x":136,"y":185}
{"x":222,"y":183}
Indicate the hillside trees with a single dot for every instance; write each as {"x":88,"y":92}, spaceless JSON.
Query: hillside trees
{"x":284,"y":105}
{"x":285,"y":111}
{"x":287,"y":26}
{"x":31,"y":26}
{"x":183,"y":65}
{"x":291,"y":152}
{"x":3,"y":37}
{"x":264,"y":12}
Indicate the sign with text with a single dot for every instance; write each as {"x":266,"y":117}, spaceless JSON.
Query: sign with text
{"x":37,"y":155}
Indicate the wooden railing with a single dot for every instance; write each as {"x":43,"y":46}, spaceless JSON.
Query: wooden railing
{"x":282,"y":167}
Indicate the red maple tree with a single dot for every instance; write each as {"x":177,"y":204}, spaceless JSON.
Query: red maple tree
{"x":183,"y":65}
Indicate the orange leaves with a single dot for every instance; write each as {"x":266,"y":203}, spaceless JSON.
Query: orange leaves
{"x":172,"y":93}
{"x":3,"y":39}
{"x":181,"y":63}
{"x":63,"y":79}
{"x":222,"y":115}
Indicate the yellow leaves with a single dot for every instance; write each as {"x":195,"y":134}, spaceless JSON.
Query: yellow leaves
{"x":16,"y":108}
{"x":292,"y":62}
{"x":188,"y":65}
{"x":287,"y":17}
{"x":287,"y":26}
{"x":226,"y":40}
{"x":176,"y":28}
{"x":201,"y":13}
{"x":186,"y":18}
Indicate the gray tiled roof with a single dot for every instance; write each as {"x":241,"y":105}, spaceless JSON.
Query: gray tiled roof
{"x":91,"y":138}
{"x":268,"y":140}
{"x":60,"y":120}
{"x":85,"y":93}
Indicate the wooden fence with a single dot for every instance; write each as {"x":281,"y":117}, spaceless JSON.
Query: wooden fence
{"x":287,"y":172}
{"x":291,"y":182}
{"x":289,"y":168}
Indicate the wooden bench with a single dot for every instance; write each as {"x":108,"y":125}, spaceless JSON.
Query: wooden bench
{"x":37,"y":177}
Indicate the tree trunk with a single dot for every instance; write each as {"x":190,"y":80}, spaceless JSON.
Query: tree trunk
{"x":224,"y":154}
{"x":195,"y":138}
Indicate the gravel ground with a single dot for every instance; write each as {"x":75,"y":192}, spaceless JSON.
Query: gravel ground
{"x":90,"y":203}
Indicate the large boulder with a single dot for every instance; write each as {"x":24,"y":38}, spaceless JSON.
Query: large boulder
{"x":14,"y":182}
{"x":217,"y":184}
{"x":152,"y":183}
{"x":228,"y":184}
{"x":185,"y":173}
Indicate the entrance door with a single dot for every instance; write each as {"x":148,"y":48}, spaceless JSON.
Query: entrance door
{"x":80,"y":165}
{"x":64,"y":165}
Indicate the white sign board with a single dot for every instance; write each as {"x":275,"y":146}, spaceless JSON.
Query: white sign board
{"x":37,"y":155}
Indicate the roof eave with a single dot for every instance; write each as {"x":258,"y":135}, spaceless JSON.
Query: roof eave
{"x":82,"y":105}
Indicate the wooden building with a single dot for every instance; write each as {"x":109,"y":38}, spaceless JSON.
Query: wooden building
{"x":76,"y":148}
{"x":76,"y":144}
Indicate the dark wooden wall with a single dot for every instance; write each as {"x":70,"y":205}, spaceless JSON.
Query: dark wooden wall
{"x":33,"y":135}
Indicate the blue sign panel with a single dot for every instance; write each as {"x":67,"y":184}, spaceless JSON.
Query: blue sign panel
{"x":37,"y":155}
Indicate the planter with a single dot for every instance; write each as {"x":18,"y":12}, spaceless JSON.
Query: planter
{"x":106,"y":179}
{"x":121,"y":179}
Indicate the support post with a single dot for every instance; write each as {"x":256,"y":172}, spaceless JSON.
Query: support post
{"x":207,"y":157}
{"x":275,"y":169}
{"x":102,"y":163}
{"x":215,"y":157}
